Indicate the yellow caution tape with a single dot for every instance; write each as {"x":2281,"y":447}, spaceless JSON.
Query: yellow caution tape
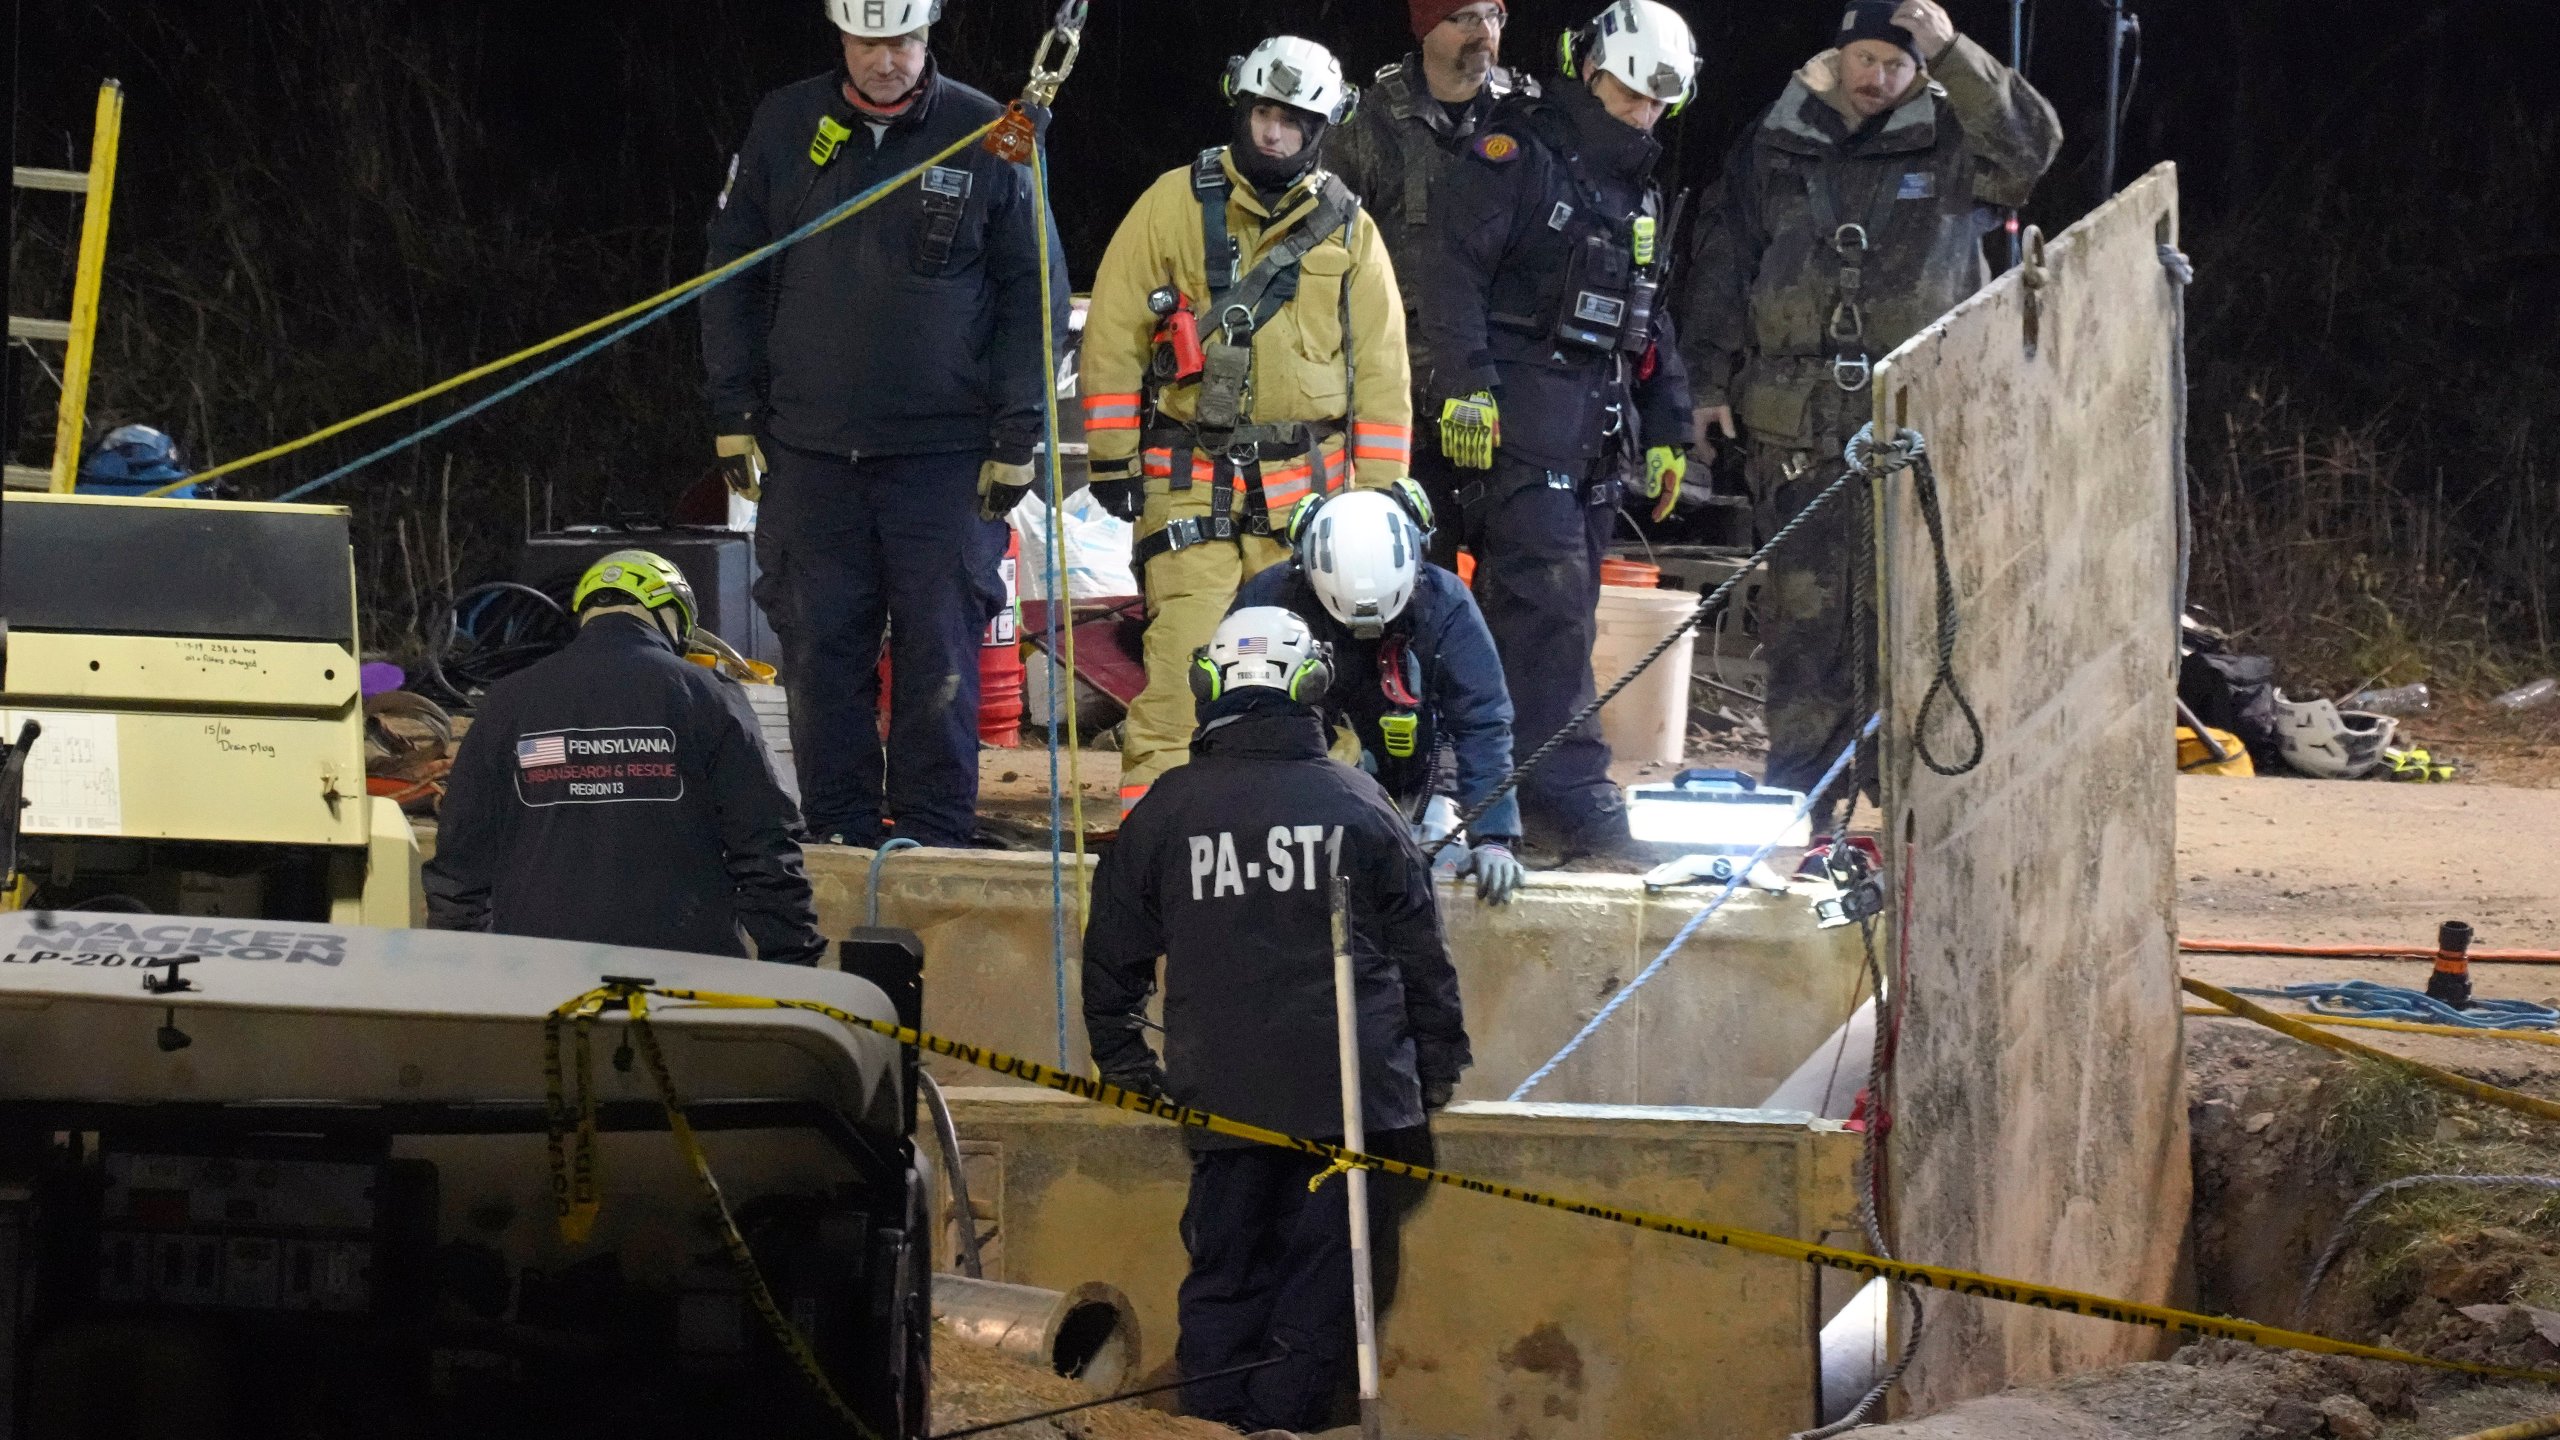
{"x":2309,"y":1034}
{"x":1961,"y":1282}
{"x":2405,"y":1027}
{"x":573,"y":1185}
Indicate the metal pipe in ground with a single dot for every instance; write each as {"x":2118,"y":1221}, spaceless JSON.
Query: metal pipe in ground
{"x":1346,"y":1028}
{"x":1089,"y":1333}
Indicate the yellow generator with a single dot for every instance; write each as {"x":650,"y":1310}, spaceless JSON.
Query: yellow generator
{"x":193,"y":669}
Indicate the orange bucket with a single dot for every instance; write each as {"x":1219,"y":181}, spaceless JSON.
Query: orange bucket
{"x":1614,"y":571}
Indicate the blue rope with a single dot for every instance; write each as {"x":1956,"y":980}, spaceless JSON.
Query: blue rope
{"x":1732,"y":887}
{"x":609,"y":338}
{"x":1058,"y":602}
{"x":2366,"y":1000}
{"x":887,"y":848}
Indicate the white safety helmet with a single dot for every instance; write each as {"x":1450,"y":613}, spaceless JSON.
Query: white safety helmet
{"x":883,"y":19}
{"x":1296,"y":72}
{"x":1267,"y":646}
{"x":1361,"y":553}
{"x":2320,"y":740}
{"x":1644,"y":43}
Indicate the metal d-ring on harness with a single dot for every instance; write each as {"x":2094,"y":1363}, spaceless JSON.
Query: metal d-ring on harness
{"x":1242,"y":304}
{"x":1852,"y":241}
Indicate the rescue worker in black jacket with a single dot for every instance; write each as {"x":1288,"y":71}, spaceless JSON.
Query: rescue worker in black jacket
{"x":1415,"y":674}
{"x":617,"y":794}
{"x":1400,"y":152}
{"x":1557,"y":373}
{"x":891,"y":371}
{"x":1224,"y":870}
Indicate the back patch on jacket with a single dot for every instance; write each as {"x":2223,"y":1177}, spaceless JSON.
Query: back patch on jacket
{"x":597,"y":767}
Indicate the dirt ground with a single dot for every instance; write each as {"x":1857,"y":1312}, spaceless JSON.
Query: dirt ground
{"x":974,"y":1386}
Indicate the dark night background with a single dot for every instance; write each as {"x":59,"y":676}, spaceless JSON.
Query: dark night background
{"x":324,"y":204}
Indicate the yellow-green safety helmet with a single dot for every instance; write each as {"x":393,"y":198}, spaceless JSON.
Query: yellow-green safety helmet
{"x":640,"y":576}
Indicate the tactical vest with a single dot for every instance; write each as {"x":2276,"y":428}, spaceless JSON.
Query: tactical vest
{"x":1588,"y":279}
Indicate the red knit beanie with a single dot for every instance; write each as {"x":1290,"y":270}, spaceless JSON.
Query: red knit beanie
{"x":1427,"y":13}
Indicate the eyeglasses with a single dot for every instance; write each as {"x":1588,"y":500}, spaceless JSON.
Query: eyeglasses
{"x":1486,"y":18}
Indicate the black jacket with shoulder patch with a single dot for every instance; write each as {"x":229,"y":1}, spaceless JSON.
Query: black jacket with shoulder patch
{"x":618,"y":794}
{"x":912,"y":328}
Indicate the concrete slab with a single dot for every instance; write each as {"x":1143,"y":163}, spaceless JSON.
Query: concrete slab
{"x":1511,"y":1320}
{"x":2039,"y":1126}
{"x":1727,"y":1019}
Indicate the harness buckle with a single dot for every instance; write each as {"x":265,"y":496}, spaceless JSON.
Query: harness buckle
{"x":1851,"y":372}
{"x":1850,"y":239}
{"x":1848,"y":322}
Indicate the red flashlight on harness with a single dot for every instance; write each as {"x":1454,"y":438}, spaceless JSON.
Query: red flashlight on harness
{"x":1179,"y":358}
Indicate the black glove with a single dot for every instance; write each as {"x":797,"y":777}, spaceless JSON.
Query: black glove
{"x":1436,"y":1090}
{"x":1124,"y":498}
{"x":1001,"y":486}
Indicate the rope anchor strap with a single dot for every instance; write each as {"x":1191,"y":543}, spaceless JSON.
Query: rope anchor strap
{"x":1879,"y":461}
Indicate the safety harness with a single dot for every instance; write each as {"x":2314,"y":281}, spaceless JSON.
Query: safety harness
{"x":1853,"y":241}
{"x":1421,"y":162}
{"x":1239,"y":305}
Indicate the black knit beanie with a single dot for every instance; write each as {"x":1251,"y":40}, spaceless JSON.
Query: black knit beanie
{"x":1873,"y":20}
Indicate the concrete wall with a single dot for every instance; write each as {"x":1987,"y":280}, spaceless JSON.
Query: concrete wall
{"x":1533,"y":1322}
{"x":2040,"y":1130}
{"x":1755,"y":991}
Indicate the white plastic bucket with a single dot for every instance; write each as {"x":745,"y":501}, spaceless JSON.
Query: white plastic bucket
{"x":1650,"y":721}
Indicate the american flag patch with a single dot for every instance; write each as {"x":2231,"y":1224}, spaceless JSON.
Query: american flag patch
{"x":541,"y":750}
{"x":1254,"y":645}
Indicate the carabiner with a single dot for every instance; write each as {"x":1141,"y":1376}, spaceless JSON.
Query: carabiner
{"x":1848,"y":322}
{"x":1069,"y":27}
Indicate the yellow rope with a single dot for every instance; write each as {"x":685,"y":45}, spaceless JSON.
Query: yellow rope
{"x":708,"y":277}
{"x":2486,"y":1094}
{"x":2406,"y":1027}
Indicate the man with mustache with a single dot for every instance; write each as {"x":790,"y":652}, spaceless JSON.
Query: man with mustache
{"x":1400,"y":155}
{"x":1847,"y":220}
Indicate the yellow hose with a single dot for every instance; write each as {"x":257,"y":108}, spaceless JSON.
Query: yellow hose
{"x":2521,"y":1430}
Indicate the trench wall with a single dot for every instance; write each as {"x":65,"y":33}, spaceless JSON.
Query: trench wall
{"x":1754,"y":992}
{"x":2040,"y":1129}
{"x":1510,"y":1320}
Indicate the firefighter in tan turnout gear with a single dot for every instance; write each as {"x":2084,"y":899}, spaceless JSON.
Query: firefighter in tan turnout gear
{"x":1245,"y":348}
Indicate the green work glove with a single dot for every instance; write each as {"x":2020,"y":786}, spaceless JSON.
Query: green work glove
{"x":1471,"y":430}
{"x":1001,"y":487}
{"x":1665,"y":466}
{"x":741,"y":464}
